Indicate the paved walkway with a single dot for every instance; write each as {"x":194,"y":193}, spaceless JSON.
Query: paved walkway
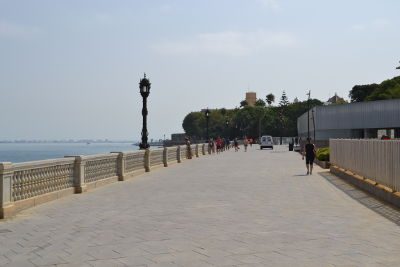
{"x":235,"y":209}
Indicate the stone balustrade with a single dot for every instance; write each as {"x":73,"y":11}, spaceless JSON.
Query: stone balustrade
{"x":24,"y":185}
{"x":34,"y":179}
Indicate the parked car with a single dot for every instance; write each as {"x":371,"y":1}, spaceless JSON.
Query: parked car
{"x":266,"y":142}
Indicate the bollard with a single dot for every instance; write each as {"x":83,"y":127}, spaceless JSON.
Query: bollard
{"x":165,"y":157}
{"x":147,"y":160}
{"x":178,"y":154}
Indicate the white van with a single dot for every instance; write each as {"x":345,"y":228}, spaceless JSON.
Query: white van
{"x":266,"y":142}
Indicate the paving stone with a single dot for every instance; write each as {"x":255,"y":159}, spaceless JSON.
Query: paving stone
{"x":106,"y":263}
{"x":4,"y":261}
{"x":233,"y":209}
{"x":48,"y":260}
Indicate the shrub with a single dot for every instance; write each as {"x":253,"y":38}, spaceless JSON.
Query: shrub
{"x":323,"y":154}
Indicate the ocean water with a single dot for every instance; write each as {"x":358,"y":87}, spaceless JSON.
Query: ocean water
{"x":22,"y":152}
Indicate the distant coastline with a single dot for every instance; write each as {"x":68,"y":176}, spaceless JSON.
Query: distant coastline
{"x":70,"y":141}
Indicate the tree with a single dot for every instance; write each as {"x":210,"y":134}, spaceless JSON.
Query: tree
{"x":359,"y":93}
{"x":248,"y":120}
{"x":260,"y":103}
{"x":270,"y":98}
{"x":194,"y":124}
{"x":243,"y":103}
{"x":284,"y":100}
{"x":388,"y":89}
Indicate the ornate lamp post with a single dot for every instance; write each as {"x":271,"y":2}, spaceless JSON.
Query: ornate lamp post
{"x":207,"y":113}
{"x":144,"y":87}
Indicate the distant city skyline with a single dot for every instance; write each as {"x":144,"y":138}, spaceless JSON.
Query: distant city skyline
{"x":70,"y":69}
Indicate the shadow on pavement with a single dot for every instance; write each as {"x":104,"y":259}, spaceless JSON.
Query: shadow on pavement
{"x":385,"y":209}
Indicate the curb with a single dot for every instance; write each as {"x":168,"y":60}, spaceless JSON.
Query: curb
{"x":380,"y":191}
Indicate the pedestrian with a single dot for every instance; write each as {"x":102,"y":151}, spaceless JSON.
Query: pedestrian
{"x":213,"y":145}
{"x":309,"y":152}
{"x":236,"y":144}
{"x":245,"y":143}
{"x":227,"y":144}
{"x":210,"y":146}
{"x":219,"y":145}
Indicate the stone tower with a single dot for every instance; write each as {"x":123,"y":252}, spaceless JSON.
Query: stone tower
{"x":251,"y":98}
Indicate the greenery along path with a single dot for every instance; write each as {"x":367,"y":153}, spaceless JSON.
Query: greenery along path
{"x":279,"y":119}
{"x":234,"y":209}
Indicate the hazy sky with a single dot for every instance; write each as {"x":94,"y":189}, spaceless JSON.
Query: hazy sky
{"x":70,"y":69}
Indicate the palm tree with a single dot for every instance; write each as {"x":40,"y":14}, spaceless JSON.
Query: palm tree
{"x":270,"y":99}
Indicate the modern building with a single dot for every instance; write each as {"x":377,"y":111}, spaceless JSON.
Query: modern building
{"x":251,"y":98}
{"x":354,"y":120}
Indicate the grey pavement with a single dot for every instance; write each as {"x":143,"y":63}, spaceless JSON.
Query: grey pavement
{"x":254,"y":208}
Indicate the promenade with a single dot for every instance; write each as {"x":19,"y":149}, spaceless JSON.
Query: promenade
{"x":234,"y":209}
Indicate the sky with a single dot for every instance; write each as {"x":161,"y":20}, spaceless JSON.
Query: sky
{"x":69,"y":69}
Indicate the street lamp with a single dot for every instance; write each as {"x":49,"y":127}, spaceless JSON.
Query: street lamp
{"x":313,"y":121}
{"x":308,"y":114}
{"x":144,"y":87}
{"x":398,"y":68}
{"x":227,"y":127}
{"x":207,"y":113}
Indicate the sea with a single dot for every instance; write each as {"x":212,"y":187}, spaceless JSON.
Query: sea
{"x":22,"y":152}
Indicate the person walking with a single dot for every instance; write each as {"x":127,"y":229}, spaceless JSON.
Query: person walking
{"x":219,"y":144}
{"x":245,"y":143}
{"x":309,"y":152}
{"x":236,"y":144}
{"x":210,"y":146}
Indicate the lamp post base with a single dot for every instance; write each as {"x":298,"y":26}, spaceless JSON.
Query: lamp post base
{"x":143,"y":146}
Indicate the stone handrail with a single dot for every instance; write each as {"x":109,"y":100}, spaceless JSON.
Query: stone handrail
{"x":133,"y":161}
{"x":24,"y":185}
{"x":183,"y":152}
{"x":377,"y":160}
{"x":172,"y":155}
{"x":156,"y":157}
{"x":30,"y":179}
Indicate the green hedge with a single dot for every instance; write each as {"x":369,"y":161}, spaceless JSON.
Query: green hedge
{"x":323,"y":154}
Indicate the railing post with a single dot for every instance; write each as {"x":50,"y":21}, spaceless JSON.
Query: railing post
{"x":178,"y":154}
{"x":79,"y":177}
{"x":189,"y":152}
{"x":197,"y":150}
{"x":6,"y":204}
{"x":203,"y":149}
{"x":121,"y":165}
{"x":165,"y":157}
{"x":147,"y":160}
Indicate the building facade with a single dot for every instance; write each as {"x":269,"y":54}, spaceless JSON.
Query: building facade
{"x":355,"y":120}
